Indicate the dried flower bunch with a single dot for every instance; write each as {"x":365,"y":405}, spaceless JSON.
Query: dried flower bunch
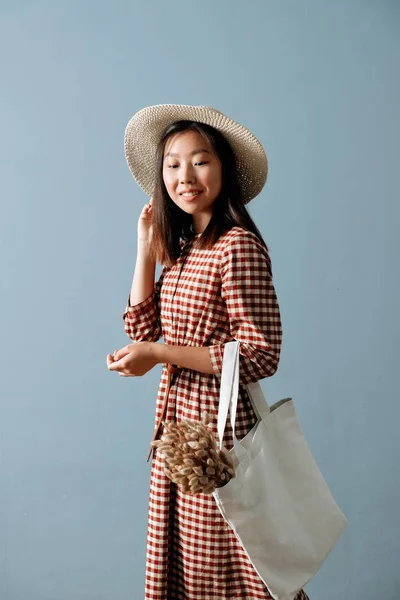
{"x":191,"y":456}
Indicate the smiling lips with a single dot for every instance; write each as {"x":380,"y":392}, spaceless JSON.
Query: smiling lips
{"x":190,"y":194}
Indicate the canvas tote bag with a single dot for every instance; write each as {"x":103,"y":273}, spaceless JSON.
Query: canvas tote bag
{"x":278,"y":505}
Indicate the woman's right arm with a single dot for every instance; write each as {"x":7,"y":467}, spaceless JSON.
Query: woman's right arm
{"x":141,"y":316}
{"x":143,"y":277}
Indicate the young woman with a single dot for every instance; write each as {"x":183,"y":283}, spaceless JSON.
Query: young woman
{"x":200,"y":168}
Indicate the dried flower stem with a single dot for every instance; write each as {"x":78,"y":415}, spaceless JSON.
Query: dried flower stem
{"x":191,"y":456}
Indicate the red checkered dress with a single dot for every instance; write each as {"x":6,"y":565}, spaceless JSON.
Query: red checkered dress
{"x":207,"y":298}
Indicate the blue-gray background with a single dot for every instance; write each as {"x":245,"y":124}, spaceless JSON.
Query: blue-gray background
{"x":318,"y":82}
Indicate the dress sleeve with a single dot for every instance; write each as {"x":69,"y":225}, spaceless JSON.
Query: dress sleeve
{"x":252,"y":305}
{"x":142,"y":321}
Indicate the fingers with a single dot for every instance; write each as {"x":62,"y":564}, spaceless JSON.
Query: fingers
{"x":118,"y":354}
{"x":119,"y":367}
{"x":146,"y":214}
{"x":111,"y":358}
{"x":119,"y":361}
{"x":116,"y":365}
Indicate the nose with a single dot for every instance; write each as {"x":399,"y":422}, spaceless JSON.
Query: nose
{"x":187,"y":175}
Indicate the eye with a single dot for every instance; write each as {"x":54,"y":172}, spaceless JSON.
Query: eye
{"x":203,"y":162}
{"x":172,"y":166}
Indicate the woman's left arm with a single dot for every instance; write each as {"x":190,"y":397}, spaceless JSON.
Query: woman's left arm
{"x":253,"y":309}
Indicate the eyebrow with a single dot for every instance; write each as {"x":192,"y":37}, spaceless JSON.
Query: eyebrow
{"x":199,"y":151}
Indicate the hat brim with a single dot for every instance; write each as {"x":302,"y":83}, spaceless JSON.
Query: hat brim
{"x":144,"y":131}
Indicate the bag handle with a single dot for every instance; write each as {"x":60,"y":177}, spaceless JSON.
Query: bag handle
{"x":229,"y":391}
{"x":231,"y":349}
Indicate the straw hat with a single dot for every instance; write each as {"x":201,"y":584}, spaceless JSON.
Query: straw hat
{"x":146,"y":127}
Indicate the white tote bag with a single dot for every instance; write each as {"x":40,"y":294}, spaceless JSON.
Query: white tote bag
{"x":278,"y":505}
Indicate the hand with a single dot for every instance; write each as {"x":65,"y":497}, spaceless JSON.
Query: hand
{"x":145,"y":224}
{"x":133,"y":360}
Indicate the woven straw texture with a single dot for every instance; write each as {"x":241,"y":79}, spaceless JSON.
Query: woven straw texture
{"x":146,"y":127}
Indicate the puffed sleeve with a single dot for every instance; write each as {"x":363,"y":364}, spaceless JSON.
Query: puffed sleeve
{"x":142,"y":321}
{"x":252,"y":305}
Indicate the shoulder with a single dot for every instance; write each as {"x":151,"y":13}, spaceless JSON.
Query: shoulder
{"x":239,"y":239}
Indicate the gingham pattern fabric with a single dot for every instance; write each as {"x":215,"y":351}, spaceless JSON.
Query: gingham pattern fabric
{"x":208,"y":298}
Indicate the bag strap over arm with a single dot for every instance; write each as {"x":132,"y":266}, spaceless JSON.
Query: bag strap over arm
{"x":230,"y":388}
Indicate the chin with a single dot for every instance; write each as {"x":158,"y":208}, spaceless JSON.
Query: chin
{"x":190,"y":210}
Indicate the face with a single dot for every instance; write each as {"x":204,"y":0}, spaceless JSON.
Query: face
{"x":192,"y":174}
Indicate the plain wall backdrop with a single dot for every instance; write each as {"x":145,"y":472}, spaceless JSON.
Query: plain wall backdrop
{"x":318,"y":83}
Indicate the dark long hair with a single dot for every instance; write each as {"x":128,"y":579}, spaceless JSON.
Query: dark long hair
{"x":171,"y":224}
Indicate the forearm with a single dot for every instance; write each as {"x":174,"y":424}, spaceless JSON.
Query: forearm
{"x":189,"y":357}
{"x":143,"y":278}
